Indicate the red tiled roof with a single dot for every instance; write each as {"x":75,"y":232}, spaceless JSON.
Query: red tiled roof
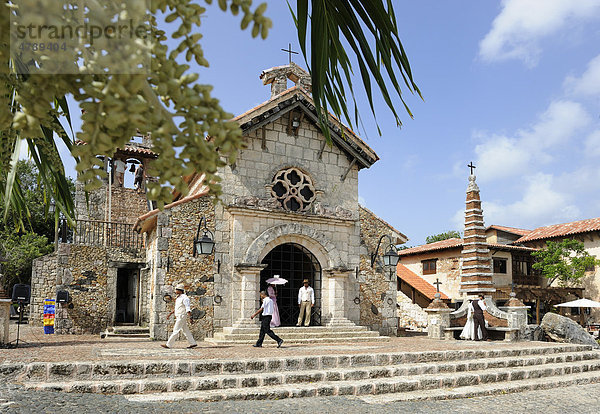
{"x":440,"y":245}
{"x":197,"y":190}
{"x":565,"y":229}
{"x":417,"y":282}
{"x":456,"y":243}
{"x":128,"y":149}
{"x":513,"y":230}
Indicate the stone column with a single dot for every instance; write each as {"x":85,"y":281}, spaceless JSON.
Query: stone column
{"x":438,"y":319}
{"x":4,"y":320}
{"x":337,"y":297}
{"x":247,"y":278}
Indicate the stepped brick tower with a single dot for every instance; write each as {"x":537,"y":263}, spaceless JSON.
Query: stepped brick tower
{"x":476,"y":269}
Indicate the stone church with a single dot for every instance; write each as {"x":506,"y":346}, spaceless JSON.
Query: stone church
{"x":289,"y":207}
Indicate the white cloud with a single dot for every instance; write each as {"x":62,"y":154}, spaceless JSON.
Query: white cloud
{"x":501,"y":156}
{"x":542,"y":203}
{"x":592,"y":144}
{"x":517,"y":30}
{"x":588,"y":83}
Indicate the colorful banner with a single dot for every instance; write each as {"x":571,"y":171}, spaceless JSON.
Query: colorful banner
{"x":49,"y":313}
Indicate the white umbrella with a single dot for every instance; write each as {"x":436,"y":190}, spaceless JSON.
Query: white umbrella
{"x":580,"y":303}
{"x":276,"y":280}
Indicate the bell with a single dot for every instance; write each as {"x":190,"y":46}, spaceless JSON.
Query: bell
{"x":132,"y":168}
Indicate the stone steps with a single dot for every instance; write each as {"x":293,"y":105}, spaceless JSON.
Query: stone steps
{"x":126,"y":331}
{"x":376,"y":390}
{"x":444,"y":360}
{"x":481,"y":390}
{"x":380,"y":380}
{"x":340,"y":332}
{"x":303,"y":329}
{"x":288,"y":377}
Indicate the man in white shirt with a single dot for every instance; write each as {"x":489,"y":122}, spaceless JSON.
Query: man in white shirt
{"x":306,"y":301}
{"x":182,"y":311}
{"x":265,"y":323}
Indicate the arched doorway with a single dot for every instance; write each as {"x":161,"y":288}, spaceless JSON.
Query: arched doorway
{"x":295,"y":263}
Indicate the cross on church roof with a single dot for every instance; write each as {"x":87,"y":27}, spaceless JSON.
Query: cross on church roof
{"x":437,"y":283}
{"x":290,"y":51}
{"x":472,"y":167}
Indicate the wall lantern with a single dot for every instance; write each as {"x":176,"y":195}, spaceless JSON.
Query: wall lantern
{"x":206,"y":244}
{"x":390,"y":258}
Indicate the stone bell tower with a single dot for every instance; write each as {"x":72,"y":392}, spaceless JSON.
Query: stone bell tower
{"x":279,"y":75}
{"x":476,"y":268}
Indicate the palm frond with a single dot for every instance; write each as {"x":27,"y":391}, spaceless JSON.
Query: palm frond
{"x":367,"y":28}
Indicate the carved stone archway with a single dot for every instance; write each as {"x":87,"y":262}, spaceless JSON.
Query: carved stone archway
{"x":319,"y":244}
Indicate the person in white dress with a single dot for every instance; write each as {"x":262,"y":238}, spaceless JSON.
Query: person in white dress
{"x":182,"y":312}
{"x":468,"y":331}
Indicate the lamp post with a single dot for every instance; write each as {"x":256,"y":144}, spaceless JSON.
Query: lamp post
{"x":390,"y":258}
{"x":206,"y":244}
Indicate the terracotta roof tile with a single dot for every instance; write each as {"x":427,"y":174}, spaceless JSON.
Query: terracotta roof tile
{"x":416,"y":281}
{"x":440,"y":245}
{"x":456,"y":243}
{"x":513,"y":230}
{"x":560,"y":230}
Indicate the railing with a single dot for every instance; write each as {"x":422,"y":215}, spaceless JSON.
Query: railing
{"x":100,"y":233}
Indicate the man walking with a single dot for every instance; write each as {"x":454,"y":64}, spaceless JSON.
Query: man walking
{"x":265,"y":321}
{"x":479,"y":319}
{"x":306,"y":301}
{"x":182,"y":312}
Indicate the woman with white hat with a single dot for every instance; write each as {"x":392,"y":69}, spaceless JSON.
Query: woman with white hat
{"x":182,"y":311}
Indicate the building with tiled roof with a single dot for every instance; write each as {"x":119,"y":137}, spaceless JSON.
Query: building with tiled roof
{"x":574,"y":228}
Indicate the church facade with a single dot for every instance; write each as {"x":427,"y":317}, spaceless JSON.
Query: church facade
{"x":289,"y":207}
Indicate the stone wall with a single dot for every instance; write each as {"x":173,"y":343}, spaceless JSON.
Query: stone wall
{"x":411,"y":315}
{"x":88,"y":273}
{"x":378,"y":294}
{"x":171,"y":252}
{"x":43,"y":286}
{"x":126,"y":204}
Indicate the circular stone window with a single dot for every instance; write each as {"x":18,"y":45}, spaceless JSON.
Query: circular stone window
{"x":293,"y":189}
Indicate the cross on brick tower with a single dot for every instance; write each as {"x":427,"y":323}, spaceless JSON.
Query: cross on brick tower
{"x":290,"y":51}
{"x":437,"y":283}
{"x":472,"y":167}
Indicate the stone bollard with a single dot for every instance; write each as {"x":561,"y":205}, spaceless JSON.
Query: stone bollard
{"x":517,"y":317}
{"x":438,"y":319}
{"x":4,"y":320}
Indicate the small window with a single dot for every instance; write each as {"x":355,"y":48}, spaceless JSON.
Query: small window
{"x":499,"y":265}
{"x":429,"y":267}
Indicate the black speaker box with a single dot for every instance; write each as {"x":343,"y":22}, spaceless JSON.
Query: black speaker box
{"x":62,"y":296}
{"x":21,"y":293}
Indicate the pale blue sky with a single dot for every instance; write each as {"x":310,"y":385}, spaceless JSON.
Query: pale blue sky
{"x":513,"y":86}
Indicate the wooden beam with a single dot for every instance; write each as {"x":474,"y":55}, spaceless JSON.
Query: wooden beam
{"x":320,"y":155}
{"x":537,"y":311}
{"x":263,"y":145}
{"x":290,"y":118}
{"x":343,"y":177}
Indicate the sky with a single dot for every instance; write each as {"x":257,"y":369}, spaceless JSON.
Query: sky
{"x":512,"y":86}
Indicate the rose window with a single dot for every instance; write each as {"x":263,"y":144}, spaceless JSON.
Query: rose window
{"x":293,"y":189}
